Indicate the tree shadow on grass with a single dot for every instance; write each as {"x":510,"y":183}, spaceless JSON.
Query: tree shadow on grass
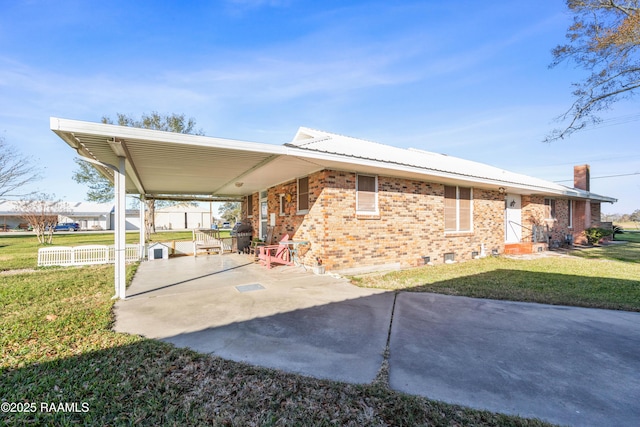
{"x":150,"y":383}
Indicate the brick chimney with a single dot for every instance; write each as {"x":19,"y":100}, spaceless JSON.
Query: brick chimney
{"x":581,"y":177}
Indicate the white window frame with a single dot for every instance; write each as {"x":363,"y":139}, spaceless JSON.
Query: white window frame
{"x":282,"y":203}
{"x":458,"y":230}
{"x":570,"y":206}
{"x":376,"y":211}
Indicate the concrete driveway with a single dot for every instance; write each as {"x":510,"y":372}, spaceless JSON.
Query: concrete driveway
{"x":565,"y":365}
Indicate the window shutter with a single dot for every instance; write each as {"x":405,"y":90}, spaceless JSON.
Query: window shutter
{"x":450,"y":208}
{"x":303,"y":194}
{"x":464,"y":197}
{"x":250,"y":205}
{"x":366,"y":193}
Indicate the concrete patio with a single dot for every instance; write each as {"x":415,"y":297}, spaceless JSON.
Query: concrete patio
{"x":565,"y":365}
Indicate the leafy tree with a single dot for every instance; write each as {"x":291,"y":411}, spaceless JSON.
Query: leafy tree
{"x":169,"y":122}
{"x":635,"y":216}
{"x":229,"y":211}
{"x":604,"y":40}
{"x":101,"y":189}
{"x":15,"y":170}
{"x":41,"y":212}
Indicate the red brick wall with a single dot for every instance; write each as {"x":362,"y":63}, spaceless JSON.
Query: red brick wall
{"x":533,"y":212}
{"x":581,"y":177}
{"x":409,"y":225}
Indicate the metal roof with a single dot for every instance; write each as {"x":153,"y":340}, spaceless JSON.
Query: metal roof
{"x":436,"y":165}
{"x":165,"y":163}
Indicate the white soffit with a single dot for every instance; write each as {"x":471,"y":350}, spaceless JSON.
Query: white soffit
{"x":169,"y":163}
{"x":165,"y":163}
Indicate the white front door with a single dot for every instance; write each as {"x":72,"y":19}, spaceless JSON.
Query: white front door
{"x":513,"y":218}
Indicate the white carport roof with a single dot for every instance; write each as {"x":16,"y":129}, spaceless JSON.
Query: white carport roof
{"x":165,"y":163}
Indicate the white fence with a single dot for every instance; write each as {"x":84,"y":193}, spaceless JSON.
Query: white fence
{"x":84,"y":255}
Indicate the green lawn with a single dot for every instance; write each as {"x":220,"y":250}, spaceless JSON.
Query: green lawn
{"x":20,"y":251}
{"x":57,"y":346}
{"x":603,"y":277}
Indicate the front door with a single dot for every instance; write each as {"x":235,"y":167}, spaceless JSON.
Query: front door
{"x":513,"y":218}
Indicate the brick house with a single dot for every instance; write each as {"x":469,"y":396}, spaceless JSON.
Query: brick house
{"x":358,"y":203}
{"x":379,"y":213}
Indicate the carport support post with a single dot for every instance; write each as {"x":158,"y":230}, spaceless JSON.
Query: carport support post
{"x":120,"y":232}
{"x":143,"y":229}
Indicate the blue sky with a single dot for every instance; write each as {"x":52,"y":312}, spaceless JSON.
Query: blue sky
{"x":465,"y":78}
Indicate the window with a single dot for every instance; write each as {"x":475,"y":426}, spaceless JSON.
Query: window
{"x":570,"y":205}
{"x":366,"y":194}
{"x":550,"y":208}
{"x":303,"y":195}
{"x":250,"y":205}
{"x":457,"y":208}
{"x":282,"y":202}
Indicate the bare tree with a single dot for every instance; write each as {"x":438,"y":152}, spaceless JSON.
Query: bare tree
{"x":41,"y":212}
{"x":15,"y":170}
{"x":604,"y":40}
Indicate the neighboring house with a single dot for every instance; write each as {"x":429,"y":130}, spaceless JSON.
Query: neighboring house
{"x":183,"y":216}
{"x":132,"y":219}
{"x":90,"y":216}
{"x":9,"y":218}
{"x":448,"y":210}
{"x":357,"y":203}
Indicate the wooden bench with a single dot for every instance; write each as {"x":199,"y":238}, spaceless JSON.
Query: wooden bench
{"x":207,"y":240}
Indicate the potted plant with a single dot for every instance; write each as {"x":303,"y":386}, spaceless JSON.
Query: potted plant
{"x":318,"y":268}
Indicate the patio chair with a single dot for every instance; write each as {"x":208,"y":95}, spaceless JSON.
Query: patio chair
{"x":275,"y":254}
{"x":257,"y":243}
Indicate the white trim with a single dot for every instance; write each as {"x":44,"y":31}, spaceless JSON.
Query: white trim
{"x":59,"y":126}
{"x":281,"y":198}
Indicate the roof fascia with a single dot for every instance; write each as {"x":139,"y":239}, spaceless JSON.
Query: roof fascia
{"x":61,"y":126}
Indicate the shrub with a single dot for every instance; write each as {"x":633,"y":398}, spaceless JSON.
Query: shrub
{"x":594,"y":234}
